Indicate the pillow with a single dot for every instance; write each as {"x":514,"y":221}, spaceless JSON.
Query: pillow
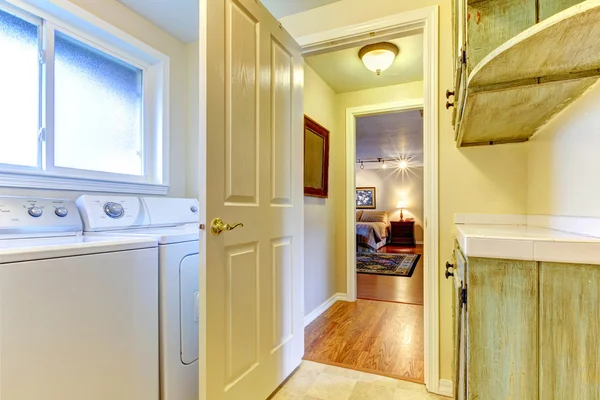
{"x":374,"y":216}
{"x":359,"y":213}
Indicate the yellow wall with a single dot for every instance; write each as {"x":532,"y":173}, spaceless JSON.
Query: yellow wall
{"x":319,"y":223}
{"x":130,"y":22}
{"x":474,"y":180}
{"x":564,"y":164}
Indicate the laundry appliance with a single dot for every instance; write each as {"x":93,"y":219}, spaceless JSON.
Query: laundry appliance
{"x":173,"y":223}
{"x":78,"y":314}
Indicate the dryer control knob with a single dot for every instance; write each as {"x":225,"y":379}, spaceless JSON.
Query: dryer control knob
{"x":114,"y":210}
{"x":61,"y":211}
{"x":35,"y":211}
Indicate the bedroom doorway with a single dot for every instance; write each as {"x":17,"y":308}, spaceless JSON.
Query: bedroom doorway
{"x":389,"y":207}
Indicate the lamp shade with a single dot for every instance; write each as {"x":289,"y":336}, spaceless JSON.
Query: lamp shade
{"x":401,"y":204}
{"x":378,"y":57}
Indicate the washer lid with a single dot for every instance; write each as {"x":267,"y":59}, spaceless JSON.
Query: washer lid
{"x":15,"y":250}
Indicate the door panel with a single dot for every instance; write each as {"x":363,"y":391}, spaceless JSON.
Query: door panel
{"x":281,"y":127}
{"x":283,"y":288}
{"x":241,"y":297}
{"x":253,"y":138}
{"x":241,"y":105}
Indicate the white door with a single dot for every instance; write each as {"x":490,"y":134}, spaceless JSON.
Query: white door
{"x":251,"y":93}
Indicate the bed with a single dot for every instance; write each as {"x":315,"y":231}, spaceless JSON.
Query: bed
{"x":372,"y":230}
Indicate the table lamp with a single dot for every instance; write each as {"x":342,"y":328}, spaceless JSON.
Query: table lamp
{"x":401,"y":205}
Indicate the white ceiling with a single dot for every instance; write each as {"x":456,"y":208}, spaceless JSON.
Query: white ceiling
{"x":396,"y":135}
{"x":283,"y":8}
{"x":344,"y":71}
{"x":178,"y":17}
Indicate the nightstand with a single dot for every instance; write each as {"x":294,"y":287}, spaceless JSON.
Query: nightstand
{"x":403,"y":233}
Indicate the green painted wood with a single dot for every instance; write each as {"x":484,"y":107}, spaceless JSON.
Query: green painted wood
{"x":550,"y":7}
{"x":502,"y":323}
{"x":569,"y":331}
{"x":490,"y":23}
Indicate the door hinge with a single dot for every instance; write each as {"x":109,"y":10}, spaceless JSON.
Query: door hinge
{"x":42,"y":56}
{"x":463,"y":296}
{"x":42,"y":134}
{"x":463,"y":57}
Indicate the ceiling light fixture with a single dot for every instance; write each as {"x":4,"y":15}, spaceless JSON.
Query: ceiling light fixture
{"x":378,"y":56}
{"x":403,"y":164}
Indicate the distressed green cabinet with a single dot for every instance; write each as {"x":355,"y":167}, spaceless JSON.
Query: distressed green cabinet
{"x":532,"y":330}
{"x":569,"y":331}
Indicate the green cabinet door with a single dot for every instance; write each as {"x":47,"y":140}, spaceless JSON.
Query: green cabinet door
{"x":502,"y":323}
{"x":569,"y":331}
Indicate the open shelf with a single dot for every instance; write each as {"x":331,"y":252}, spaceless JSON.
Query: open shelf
{"x":525,"y":82}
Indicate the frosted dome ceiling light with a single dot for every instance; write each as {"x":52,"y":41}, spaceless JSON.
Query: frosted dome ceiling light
{"x":378,"y":56}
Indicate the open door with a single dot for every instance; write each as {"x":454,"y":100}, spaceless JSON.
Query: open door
{"x":251,"y":138}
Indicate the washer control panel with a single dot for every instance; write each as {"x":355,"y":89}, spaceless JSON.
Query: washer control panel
{"x":23,"y":215}
{"x":105,"y":213}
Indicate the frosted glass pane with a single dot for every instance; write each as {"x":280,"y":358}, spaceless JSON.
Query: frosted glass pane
{"x":19,"y":91}
{"x":98,"y":110}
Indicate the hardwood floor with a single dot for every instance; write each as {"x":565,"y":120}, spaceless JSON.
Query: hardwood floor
{"x":371,"y":336}
{"x":394,"y":288}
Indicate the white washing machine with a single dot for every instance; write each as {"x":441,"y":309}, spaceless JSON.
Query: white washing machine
{"x":78,"y":315}
{"x":174,"y":224}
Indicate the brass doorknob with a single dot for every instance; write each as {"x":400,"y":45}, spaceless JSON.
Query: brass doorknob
{"x":217,"y":226}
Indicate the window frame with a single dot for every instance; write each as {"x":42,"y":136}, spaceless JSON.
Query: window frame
{"x":83,"y":26}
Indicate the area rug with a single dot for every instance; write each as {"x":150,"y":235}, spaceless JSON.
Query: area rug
{"x":386,"y":263}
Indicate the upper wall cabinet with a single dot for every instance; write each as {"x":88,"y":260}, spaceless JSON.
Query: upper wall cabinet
{"x":518,"y":63}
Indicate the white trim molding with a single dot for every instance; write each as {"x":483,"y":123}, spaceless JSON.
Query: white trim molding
{"x":446,"y":388}
{"x":423,"y":20}
{"x":310,"y":317}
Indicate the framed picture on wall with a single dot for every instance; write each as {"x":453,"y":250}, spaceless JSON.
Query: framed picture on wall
{"x":316,"y":159}
{"x":365,"y":198}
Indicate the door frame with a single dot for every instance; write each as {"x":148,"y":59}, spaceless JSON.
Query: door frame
{"x":423,"y":20}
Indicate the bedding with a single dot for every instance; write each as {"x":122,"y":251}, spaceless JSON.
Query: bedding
{"x":370,"y":236}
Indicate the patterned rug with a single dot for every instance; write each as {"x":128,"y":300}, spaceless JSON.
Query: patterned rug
{"x":386,"y":263}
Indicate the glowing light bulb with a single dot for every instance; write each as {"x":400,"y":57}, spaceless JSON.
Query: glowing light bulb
{"x":403,"y":164}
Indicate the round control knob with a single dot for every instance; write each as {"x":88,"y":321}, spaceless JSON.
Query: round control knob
{"x":114,"y":210}
{"x":35,"y":211}
{"x":61,"y":211}
{"x":194,"y":209}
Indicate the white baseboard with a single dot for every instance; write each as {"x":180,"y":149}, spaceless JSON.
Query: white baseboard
{"x":445,"y":388}
{"x":323,"y":307}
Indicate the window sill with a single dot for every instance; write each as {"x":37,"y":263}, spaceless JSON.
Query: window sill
{"x":51,"y":182}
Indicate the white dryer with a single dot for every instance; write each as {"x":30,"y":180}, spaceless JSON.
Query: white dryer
{"x":78,"y":315}
{"x":174,"y":224}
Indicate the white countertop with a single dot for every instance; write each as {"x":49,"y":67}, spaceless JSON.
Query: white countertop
{"x":523,"y":242}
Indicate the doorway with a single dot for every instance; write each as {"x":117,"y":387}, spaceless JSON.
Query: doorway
{"x":425,"y":21}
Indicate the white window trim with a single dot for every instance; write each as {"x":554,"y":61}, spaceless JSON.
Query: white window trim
{"x":69,"y":18}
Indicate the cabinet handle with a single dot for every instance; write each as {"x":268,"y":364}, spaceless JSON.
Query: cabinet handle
{"x":449,"y":93}
{"x":448,"y":273}
{"x":448,"y":105}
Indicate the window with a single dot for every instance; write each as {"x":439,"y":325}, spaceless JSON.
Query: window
{"x":80,"y":108}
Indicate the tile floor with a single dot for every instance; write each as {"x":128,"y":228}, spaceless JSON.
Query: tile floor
{"x":314,"y":381}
